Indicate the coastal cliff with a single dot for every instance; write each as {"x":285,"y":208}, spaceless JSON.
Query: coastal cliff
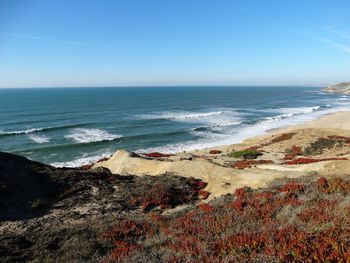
{"x":73,"y":215}
{"x":280,"y":197}
{"x":341,"y":88}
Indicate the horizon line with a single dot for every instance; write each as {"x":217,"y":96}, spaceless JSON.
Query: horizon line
{"x":168,"y":85}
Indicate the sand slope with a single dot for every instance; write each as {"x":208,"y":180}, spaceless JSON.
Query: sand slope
{"x":222,"y":178}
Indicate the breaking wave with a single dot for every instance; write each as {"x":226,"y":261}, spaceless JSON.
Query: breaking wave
{"x":82,"y":135}
{"x":35,"y":130}
{"x":80,"y":161}
{"x":39,"y":139}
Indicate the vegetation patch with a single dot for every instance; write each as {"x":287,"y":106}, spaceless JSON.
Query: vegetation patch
{"x":37,"y":204}
{"x":246,"y":154}
{"x":215,"y":152}
{"x":168,"y":193}
{"x":281,"y":138}
{"x":294,"y":222}
{"x":317,"y":147}
{"x":311,"y":160}
{"x":157,"y":155}
{"x":249,"y":163}
{"x":293,"y":152}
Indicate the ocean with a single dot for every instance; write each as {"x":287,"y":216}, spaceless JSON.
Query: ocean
{"x":76,"y":126}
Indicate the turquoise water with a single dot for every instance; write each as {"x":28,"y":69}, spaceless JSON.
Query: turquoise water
{"x":74,"y":126}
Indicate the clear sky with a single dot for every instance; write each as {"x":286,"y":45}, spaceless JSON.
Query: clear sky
{"x":173,"y":42}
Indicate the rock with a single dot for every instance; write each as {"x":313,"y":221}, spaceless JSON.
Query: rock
{"x":341,"y":88}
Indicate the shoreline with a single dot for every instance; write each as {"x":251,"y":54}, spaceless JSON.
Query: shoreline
{"x":323,"y":120}
{"x":323,"y":146}
{"x":237,"y":138}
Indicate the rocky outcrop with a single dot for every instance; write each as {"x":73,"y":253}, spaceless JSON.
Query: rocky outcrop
{"x":52,"y":214}
{"x":341,"y":88}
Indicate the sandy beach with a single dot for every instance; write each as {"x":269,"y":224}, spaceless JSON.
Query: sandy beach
{"x":318,"y":147}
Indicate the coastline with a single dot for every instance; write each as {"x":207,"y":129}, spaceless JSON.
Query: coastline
{"x":220,"y":170}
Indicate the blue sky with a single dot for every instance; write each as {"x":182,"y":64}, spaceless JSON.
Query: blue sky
{"x":173,"y":42}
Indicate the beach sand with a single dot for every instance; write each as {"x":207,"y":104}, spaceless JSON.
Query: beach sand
{"x":222,"y":178}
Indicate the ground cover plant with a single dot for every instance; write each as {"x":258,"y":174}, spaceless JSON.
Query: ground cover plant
{"x":246,"y":154}
{"x":113,"y":218}
{"x":292,"y":222}
{"x":324,"y":143}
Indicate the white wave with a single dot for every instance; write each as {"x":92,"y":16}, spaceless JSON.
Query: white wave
{"x":300,"y":110}
{"x":39,"y":139}
{"x":180,"y":115}
{"x":32,"y":130}
{"x":228,"y":124}
{"x":213,"y":118}
{"x":218,"y":126}
{"x":82,"y":135}
{"x":295,"y":117}
{"x":290,"y":112}
{"x":80,"y":161}
{"x":188,"y":116}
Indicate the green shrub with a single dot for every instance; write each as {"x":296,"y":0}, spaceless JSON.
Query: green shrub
{"x":37,"y":204}
{"x":246,"y":154}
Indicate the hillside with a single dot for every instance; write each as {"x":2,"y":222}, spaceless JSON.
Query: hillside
{"x":74,"y":215}
{"x":341,"y":88}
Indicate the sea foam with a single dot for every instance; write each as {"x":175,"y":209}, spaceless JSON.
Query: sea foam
{"x":287,"y":116}
{"x":39,"y":139}
{"x":78,"y":162}
{"x":82,"y":135}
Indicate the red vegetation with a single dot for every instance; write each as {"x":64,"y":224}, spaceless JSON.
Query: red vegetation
{"x":249,"y":163}
{"x":157,"y":155}
{"x":203,"y":194}
{"x":215,"y":152}
{"x":311,"y":160}
{"x":126,"y":229}
{"x":241,"y":192}
{"x":196,"y":183}
{"x":292,"y":189}
{"x":292,"y":223}
{"x":293,"y":152}
{"x":336,"y":185}
{"x":206,"y":207}
{"x":89,"y":166}
{"x":103,"y":159}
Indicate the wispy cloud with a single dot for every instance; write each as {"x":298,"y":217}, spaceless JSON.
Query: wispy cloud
{"x":338,"y":32}
{"x":69,"y":42}
{"x":337,"y":45}
{"x":330,"y":42}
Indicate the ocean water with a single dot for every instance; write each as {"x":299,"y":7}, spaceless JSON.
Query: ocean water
{"x":75,"y":126}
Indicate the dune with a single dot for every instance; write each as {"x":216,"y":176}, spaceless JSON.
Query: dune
{"x":222,"y":178}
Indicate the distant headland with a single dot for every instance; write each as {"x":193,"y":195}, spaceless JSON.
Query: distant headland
{"x":341,"y":88}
